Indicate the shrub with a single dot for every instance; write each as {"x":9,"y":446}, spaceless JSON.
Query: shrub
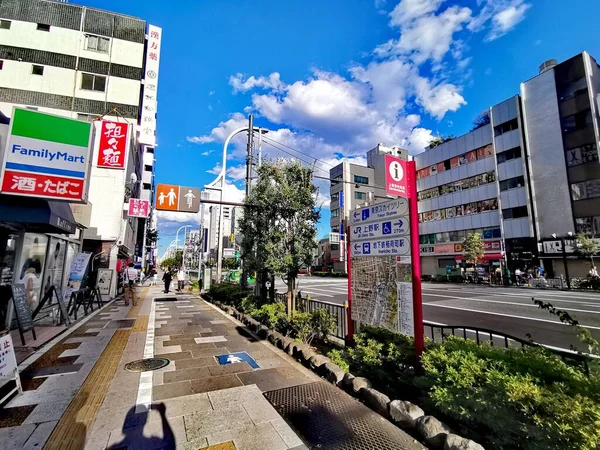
{"x":307,"y":326}
{"x":339,"y":358}
{"x":230,"y":294}
{"x":273,"y":316}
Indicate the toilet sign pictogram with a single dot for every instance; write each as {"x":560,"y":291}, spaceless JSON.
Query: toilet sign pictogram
{"x":396,"y":180}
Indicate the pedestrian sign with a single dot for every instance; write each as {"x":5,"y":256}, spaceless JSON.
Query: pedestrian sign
{"x":170,"y":197}
{"x":238,"y":357}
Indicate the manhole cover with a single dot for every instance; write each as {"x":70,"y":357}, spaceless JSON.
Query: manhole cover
{"x":144,"y":365}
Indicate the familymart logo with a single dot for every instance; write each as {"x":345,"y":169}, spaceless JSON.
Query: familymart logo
{"x":47,"y":154}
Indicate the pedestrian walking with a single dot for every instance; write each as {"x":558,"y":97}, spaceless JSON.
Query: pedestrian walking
{"x":167,"y":277}
{"x":180,"y":279}
{"x":130,"y":276}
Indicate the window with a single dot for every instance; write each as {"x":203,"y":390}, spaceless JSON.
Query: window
{"x":335,"y":180}
{"x":512,"y":183}
{"x":1,"y":64}
{"x":86,"y":117}
{"x":43,"y":27}
{"x":361,"y":180}
{"x":92,"y":82}
{"x":5,"y":24}
{"x":335,"y":247}
{"x":37,"y":70}
{"x":335,"y":212}
{"x":512,"y":153}
{"x":514,"y":213}
{"x":335,"y":197}
{"x":97,"y":43}
{"x":506,"y":127}
{"x":360,"y":195}
{"x":577,"y":121}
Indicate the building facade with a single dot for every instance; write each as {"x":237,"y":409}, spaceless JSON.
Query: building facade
{"x":94,"y":66}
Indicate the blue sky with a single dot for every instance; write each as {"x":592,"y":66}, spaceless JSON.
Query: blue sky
{"x":332,"y":78}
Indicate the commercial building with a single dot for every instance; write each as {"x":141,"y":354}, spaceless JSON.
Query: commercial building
{"x":352,"y":186}
{"x":529,"y":181}
{"x":322,"y":260}
{"x":93,"y":66}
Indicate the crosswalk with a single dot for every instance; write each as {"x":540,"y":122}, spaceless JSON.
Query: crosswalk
{"x":334,"y":290}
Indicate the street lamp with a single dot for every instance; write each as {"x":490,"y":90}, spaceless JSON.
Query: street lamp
{"x":219,"y":184}
{"x":177,"y":235}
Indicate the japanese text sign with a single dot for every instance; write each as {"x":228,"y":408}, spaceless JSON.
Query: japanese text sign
{"x":380,"y":211}
{"x":398,"y":246}
{"x":8,"y":362}
{"x":46,"y":156}
{"x":149,"y":100}
{"x":113,"y":145}
{"x":396,"y":177}
{"x":138,"y":207}
{"x":170,"y":197}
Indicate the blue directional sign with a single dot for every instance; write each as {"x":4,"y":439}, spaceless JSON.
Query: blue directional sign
{"x":365,"y":214}
{"x":366,"y":248}
{"x":392,"y":246}
{"x":238,"y":357}
{"x":380,"y":211}
{"x":374,"y":230}
{"x":386,"y":228}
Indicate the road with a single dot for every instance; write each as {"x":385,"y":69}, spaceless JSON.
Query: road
{"x":507,"y":310}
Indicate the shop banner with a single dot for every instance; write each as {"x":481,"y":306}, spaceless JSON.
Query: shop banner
{"x":8,"y":361}
{"x":104,"y":280}
{"x":113,"y":145}
{"x":46,"y":156}
{"x":138,"y":208}
{"x":77,"y":273}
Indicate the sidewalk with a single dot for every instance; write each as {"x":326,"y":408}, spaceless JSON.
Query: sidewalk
{"x":79,"y":394}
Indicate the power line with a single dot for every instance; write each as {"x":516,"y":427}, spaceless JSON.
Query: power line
{"x":298,"y":151}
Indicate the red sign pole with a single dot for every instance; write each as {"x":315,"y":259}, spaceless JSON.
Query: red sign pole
{"x":415,"y":259}
{"x":350,"y":335}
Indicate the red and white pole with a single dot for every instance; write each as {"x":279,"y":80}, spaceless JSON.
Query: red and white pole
{"x":415,"y":259}
{"x":350,"y":335}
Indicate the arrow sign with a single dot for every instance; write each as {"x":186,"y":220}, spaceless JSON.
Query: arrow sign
{"x":381,"y":211}
{"x":390,"y":246}
{"x":356,"y":247}
{"x":385,"y":228}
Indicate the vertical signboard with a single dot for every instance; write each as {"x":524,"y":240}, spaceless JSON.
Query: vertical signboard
{"x":138,"y":207}
{"x":8,"y":362}
{"x":396,"y":180}
{"x":113,"y":145}
{"x":46,"y":156}
{"x":149,"y":100}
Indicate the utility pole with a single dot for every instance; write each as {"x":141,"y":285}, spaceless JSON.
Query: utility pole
{"x":244,"y":280}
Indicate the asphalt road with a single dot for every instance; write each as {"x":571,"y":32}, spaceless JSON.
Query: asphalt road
{"x":506,"y":310}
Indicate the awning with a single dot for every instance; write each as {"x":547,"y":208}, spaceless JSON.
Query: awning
{"x":486,"y":257}
{"x":44,"y":216}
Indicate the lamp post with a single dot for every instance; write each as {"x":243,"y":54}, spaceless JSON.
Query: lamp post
{"x":219,"y":184}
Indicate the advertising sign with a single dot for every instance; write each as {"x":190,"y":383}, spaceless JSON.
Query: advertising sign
{"x":149,"y":100}
{"x":114,"y":144}
{"x":77,"y":273}
{"x":8,"y":361}
{"x":170,"y":197}
{"x":138,"y":207}
{"x":46,"y":156}
{"x":396,"y":182}
{"x":104,"y":281}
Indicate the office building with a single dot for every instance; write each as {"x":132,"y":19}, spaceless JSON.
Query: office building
{"x":91,"y":65}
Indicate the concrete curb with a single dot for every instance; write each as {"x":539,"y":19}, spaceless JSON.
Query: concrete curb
{"x":404,"y":415}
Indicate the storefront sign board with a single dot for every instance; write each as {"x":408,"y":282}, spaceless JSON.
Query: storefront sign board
{"x":138,"y":208}
{"x":104,"y":281}
{"x":46,"y":156}
{"x":113,"y":145}
{"x":8,"y":361}
{"x":149,"y":100}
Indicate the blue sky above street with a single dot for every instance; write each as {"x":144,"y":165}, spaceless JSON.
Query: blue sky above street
{"x":333,"y":78}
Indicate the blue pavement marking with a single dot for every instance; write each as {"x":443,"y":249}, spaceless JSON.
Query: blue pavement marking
{"x":238,"y":357}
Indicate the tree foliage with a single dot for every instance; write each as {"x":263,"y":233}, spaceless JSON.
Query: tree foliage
{"x":279,"y":223}
{"x":586,"y":247}
{"x":481,"y":120}
{"x":439,"y":139}
{"x":169,"y":262}
{"x":473,"y":248}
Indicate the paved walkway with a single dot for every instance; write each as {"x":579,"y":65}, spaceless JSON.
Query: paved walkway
{"x":79,"y":395}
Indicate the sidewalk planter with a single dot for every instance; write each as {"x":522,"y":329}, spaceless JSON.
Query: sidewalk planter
{"x":403,"y":414}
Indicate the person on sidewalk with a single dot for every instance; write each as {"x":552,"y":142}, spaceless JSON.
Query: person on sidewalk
{"x":180,"y":279}
{"x":130,"y":276}
{"x":167,"y":277}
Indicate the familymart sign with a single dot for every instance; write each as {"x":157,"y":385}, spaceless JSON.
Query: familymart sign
{"x":46,"y":156}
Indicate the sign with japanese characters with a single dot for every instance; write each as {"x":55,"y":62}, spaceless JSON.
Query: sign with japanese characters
{"x":46,"y":156}
{"x":8,"y":361}
{"x":149,"y":100}
{"x":170,"y":197}
{"x":380,"y":211}
{"x":398,"y":226}
{"x":138,"y":207}
{"x":396,"y":179}
{"x":113,"y":145}
{"x":382,"y":247}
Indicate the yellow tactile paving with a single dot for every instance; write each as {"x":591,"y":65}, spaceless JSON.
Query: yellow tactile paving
{"x":223,"y":446}
{"x":78,"y":419}
{"x":141,"y":324}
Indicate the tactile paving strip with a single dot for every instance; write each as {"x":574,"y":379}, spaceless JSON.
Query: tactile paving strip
{"x":327,"y":418}
{"x":224,"y":446}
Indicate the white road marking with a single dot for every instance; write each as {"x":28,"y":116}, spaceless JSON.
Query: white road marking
{"x":512,"y":293}
{"x":320,"y":294}
{"x":507,"y":303}
{"x":144,"y":396}
{"x":437,"y":305}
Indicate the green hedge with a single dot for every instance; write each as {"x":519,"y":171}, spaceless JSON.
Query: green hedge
{"x":503,"y":398}
{"x":230,"y":294}
{"x":330,"y":274}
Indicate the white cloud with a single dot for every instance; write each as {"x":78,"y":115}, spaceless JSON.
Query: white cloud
{"x":238,"y":83}
{"x":211,"y":93}
{"x":500,"y":15}
{"x":200,"y":139}
{"x":215,"y":170}
{"x":237,"y":173}
{"x":208,"y":152}
{"x":438,"y":99}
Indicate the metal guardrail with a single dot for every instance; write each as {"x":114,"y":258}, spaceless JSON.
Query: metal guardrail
{"x":497,"y":338}
{"x":340,"y":312}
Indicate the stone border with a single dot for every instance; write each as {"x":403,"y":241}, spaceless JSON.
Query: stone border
{"x":405,"y":415}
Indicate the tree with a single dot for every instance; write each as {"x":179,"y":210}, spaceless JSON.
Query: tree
{"x":279,"y":223}
{"x":439,"y":139}
{"x":230,"y":264}
{"x":473,"y":248}
{"x":481,"y":120}
{"x":168,"y":262}
{"x":586,"y":247}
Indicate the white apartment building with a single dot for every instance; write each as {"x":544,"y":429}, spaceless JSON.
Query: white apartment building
{"x":87,"y":64}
